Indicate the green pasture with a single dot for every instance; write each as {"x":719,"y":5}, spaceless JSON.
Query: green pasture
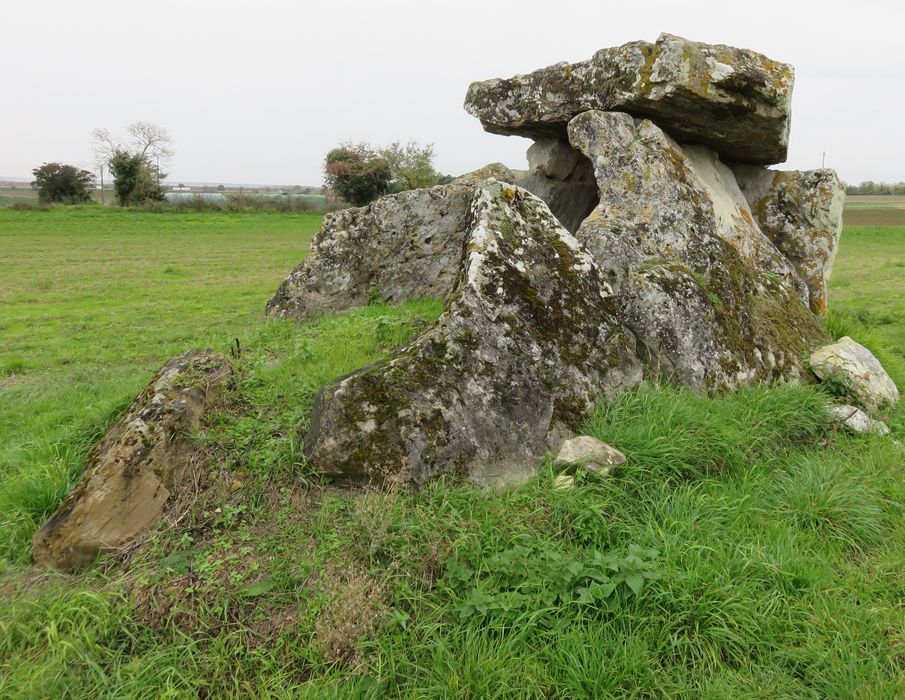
{"x":748,"y":551}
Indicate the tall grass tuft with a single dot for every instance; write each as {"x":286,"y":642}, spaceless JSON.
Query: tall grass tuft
{"x":670,"y":432}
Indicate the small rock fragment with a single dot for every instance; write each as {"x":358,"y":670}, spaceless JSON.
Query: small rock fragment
{"x":856,"y":420}
{"x":590,"y":452}
{"x":857,"y":371}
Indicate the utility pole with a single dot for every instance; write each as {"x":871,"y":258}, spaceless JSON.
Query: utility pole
{"x":102,"y":184}
{"x":823,"y":163}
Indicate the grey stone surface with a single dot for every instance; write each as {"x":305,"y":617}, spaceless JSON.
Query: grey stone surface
{"x":556,"y":159}
{"x":593,"y":454}
{"x":801,"y":212}
{"x":711,"y":300}
{"x":855,"y":420}
{"x":735,"y":101}
{"x":143,"y":458}
{"x":402,"y":246}
{"x":854,"y":368}
{"x":529,"y":339}
{"x":570,"y":201}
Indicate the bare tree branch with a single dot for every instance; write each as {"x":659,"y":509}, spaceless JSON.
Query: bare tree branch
{"x":151,"y":140}
{"x":104,"y":147}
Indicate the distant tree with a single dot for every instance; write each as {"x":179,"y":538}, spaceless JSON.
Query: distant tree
{"x":411,"y":165}
{"x":134,"y":180}
{"x":67,"y":184}
{"x":135,"y":164}
{"x":220,"y":188}
{"x":870,"y":187}
{"x":357,"y":173}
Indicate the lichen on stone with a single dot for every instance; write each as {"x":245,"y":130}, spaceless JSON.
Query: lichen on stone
{"x":528,"y":340}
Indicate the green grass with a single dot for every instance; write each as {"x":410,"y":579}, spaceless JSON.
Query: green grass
{"x":869,"y":279}
{"x":93,"y":300}
{"x":744,"y":550}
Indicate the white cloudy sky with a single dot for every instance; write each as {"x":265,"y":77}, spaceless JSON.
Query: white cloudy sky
{"x":257,"y":91}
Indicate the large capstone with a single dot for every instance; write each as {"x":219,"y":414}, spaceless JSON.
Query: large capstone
{"x":403,"y":246}
{"x":735,"y":101}
{"x":530,"y":337}
{"x":801,"y":212}
{"x":711,"y":300}
{"x":142,"y":459}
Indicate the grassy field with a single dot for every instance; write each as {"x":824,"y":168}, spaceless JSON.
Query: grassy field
{"x":875,"y":210}
{"x":751,"y":552}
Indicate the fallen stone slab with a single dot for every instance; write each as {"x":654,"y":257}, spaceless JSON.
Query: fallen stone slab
{"x":855,"y":420}
{"x":402,"y":246}
{"x":529,"y":339}
{"x":734,"y":101}
{"x":711,"y":300}
{"x":801,"y":212}
{"x":139,"y":462}
{"x":856,"y":371}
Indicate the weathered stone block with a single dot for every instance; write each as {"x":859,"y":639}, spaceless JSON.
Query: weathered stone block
{"x":734,"y":101}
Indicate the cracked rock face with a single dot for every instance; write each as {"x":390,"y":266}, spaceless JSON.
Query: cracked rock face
{"x":139,"y":462}
{"x":801,"y":212}
{"x":734,"y":101}
{"x":529,"y":338}
{"x":712,"y":302}
{"x":402,"y":246}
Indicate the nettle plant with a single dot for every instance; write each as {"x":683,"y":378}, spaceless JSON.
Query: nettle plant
{"x":536,"y":578}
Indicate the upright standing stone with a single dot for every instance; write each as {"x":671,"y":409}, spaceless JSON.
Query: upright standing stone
{"x":710,"y":299}
{"x":402,"y":246}
{"x":801,"y":212}
{"x":529,"y":339}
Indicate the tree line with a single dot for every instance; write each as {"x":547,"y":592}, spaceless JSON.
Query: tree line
{"x":870,"y":187}
{"x":355,"y":172}
{"x":134,"y":163}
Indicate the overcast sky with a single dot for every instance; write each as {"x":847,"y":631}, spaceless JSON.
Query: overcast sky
{"x":257,"y":91}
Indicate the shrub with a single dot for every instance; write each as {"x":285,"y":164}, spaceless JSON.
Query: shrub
{"x":62,"y":183}
{"x":357,"y":173}
{"x":135,"y":180}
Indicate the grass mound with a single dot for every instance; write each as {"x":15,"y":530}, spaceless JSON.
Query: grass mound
{"x":742,"y":550}
{"x":745,"y":550}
